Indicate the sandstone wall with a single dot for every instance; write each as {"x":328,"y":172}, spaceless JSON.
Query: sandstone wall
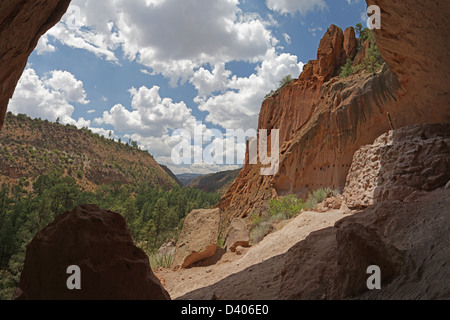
{"x":323,"y":120}
{"x":22,"y":23}
{"x":399,"y":165}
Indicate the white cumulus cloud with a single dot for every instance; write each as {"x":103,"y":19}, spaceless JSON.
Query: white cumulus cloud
{"x":293,"y":6}
{"x":170,"y":37}
{"x":239,"y":106}
{"x":151,"y":115}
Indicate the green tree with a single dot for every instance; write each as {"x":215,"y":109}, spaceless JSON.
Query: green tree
{"x":288,"y":206}
{"x":181,"y":206}
{"x":146,"y":212}
{"x":347,"y":69}
{"x":286,"y":80}
{"x":359,"y":28}
{"x":148,"y":235}
{"x":130,"y":213}
{"x":373,"y":59}
{"x":161,"y":210}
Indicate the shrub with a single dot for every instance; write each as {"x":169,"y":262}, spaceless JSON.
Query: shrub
{"x":347,"y":69}
{"x":373,"y":60}
{"x":271,"y":93}
{"x":7,"y":285}
{"x":161,"y":260}
{"x":289,"y":206}
{"x":285,"y":81}
{"x":279,"y":210}
{"x":221,"y":242}
{"x":317,"y":197}
{"x":260,"y":231}
{"x":358,"y":68}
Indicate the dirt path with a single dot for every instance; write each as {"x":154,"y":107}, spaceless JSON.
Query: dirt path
{"x":185,"y":283}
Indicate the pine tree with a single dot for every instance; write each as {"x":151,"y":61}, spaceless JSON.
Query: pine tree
{"x":347,"y":69}
{"x":161,"y":210}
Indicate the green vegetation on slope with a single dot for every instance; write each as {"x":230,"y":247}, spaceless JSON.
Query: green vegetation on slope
{"x":372,"y":60}
{"x":284,"y":209}
{"x":283,"y":82}
{"x":31,"y":148}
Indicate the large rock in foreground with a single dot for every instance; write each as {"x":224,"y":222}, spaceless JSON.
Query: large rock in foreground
{"x":22,"y":23}
{"x":98,"y":241}
{"x":198,"y":239}
{"x":408,"y":241}
{"x":404,"y":231}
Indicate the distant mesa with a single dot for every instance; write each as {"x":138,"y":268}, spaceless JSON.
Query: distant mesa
{"x":186,"y":178}
{"x":218,"y":182}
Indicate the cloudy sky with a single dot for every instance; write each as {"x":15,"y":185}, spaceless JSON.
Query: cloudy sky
{"x":142,"y":69}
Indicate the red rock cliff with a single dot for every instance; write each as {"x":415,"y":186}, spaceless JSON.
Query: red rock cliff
{"x":22,"y":23}
{"x":323,"y":119}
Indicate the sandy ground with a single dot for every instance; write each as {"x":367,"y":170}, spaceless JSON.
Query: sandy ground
{"x":203,"y":282}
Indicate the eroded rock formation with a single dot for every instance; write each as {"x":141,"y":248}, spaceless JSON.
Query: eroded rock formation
{"x":323,"y":119}
{"x":100,"y":244}
{"x":407,"y":240}
{"x":22,"y":23}
{"x":332,"y":263}
{"x":399,"y":164}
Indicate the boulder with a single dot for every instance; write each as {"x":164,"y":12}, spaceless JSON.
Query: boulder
{"x":334,"y":202}
{"x":399,"y":163}
{"x":198,"y":239}
{"x":407,"y":241}
{"x":100,"y":244}
{"x":238,"y":235}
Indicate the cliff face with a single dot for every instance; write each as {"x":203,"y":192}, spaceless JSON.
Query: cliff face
{"x":323,"y":119}
{"x":326,"y":254}
{"x":413,"y":40}
{"x":22,"y":23}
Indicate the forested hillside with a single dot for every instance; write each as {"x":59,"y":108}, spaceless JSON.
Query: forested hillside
{"x":30,"y":148}
{"x":47,"y":169}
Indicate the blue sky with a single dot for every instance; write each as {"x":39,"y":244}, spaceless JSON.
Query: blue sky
{"x":144,"y":68}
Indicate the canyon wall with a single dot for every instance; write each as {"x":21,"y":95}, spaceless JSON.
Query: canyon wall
{"x":324,"y":119}
{"x":22,"y":23}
